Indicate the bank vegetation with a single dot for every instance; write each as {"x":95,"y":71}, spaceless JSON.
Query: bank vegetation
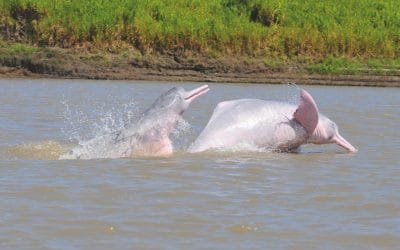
{"x":343,"y":36}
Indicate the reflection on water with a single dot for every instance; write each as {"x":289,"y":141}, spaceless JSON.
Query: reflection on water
{"x":320,"y":196}
{"x":45,"y":150}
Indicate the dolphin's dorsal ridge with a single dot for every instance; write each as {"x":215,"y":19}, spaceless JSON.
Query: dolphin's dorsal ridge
{"x":307,"y":112}
{"x":222,"y":106}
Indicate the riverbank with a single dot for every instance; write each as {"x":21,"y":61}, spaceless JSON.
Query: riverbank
{"x":342,"y":42}
{"x":19,"y":60}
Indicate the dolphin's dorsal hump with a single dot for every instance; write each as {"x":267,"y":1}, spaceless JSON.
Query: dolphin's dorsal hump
{"x":307,"y":112}
{"x":222,"y":106}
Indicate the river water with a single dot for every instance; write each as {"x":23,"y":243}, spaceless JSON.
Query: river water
{"x":321,"y":197}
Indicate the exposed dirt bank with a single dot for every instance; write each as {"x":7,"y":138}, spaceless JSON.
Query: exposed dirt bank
{"x":62,"y":63}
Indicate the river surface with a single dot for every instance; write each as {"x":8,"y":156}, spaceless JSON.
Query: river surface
{"x":321,"y":197}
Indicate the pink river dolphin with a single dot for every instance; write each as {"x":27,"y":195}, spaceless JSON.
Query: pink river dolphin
{"x":271,"y":125}
{"x":151,"y":133}
{"x":147,"y":136}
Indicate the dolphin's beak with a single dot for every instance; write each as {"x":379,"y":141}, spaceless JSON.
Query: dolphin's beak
{"x":191,"y":95}
{"x":339,"y":140}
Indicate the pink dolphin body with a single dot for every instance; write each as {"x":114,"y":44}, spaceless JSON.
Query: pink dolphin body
{"x":147,"y":136}
{"x":150,"y":135}
{"x":271,"y":125}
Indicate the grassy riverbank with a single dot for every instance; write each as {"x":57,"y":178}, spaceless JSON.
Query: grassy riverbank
{"x":324,"y":37}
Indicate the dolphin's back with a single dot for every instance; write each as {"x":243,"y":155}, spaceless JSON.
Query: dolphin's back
{"x":249,"y":121}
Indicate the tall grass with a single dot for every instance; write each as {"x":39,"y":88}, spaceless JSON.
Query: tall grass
{"x":276,"y":28}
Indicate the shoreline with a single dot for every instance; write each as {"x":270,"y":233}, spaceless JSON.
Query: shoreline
{"x":193,"y":67}
{"x":193,"y":76}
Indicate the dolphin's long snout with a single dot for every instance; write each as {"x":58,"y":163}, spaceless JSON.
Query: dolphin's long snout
{"x":339,"y":140}
{"x":191,"y":95}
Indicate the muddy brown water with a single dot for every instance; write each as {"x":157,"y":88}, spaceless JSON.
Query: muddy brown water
{"x":318,"y":198}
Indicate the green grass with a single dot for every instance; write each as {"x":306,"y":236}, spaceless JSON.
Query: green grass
{"x":318,"y":29}
{"x":274,"y":62}
{"x":341,"y":65}
{"x":19,"y":48}
{"x":336,"y":66}
{"x":8,"y":50}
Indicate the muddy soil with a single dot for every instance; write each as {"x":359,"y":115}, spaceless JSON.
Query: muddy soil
{"x":73,"y":63}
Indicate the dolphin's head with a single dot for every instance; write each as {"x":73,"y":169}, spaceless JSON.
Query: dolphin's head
{"x":178,"y":99}
{"x":327,"y":132}
{"x":320,"y":129}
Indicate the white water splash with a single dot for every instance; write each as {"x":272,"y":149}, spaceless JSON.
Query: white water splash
{"x":292,"y":93}
{"x":80,"y":126}
{"x":245,"y":147}
{"x":180,"y":135}
{"x":96,"y":136}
